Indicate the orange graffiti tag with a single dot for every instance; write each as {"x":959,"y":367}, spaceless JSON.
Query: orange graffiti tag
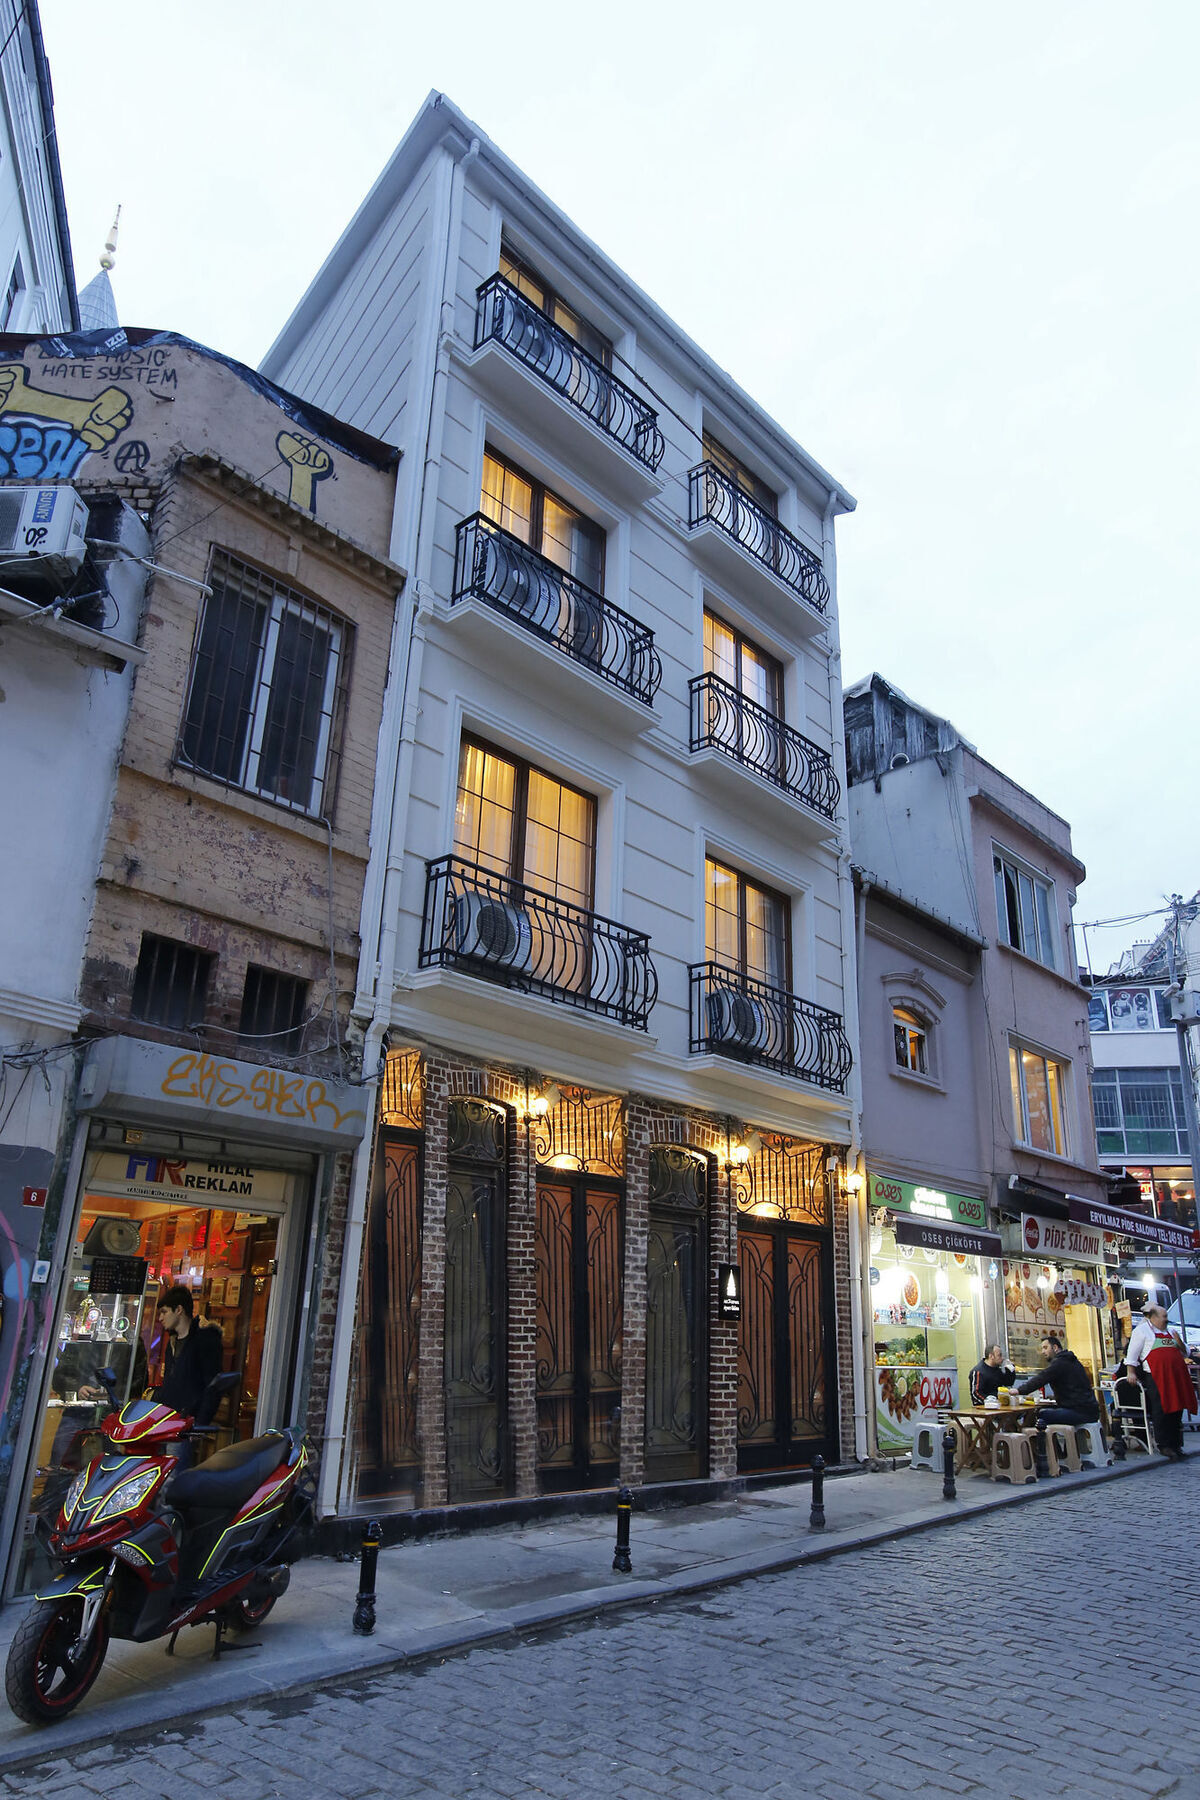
{"x":195,"y":1076}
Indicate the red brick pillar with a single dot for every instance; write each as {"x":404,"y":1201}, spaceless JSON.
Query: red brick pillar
{"x":722,"y":1333}
{"x":522,"y":1307}
{"x":633,"y":1334}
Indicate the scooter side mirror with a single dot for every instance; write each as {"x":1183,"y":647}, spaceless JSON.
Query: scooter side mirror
{"x":214,"y":1393}
{"x":108,"y":1381}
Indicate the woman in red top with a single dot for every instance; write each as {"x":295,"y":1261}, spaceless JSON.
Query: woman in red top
{"x":1156,"y":1350}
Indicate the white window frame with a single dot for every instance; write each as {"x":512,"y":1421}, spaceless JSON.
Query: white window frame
{"x":1037,"y":884}
{"x":263,"y":689}
{"x":1016,"y":1050}
{"x":924,"y":1026}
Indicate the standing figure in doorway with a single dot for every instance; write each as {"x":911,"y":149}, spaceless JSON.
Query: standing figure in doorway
{"x":193,"y":1353}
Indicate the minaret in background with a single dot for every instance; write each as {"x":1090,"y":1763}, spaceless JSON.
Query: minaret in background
{"x":97,"y":308}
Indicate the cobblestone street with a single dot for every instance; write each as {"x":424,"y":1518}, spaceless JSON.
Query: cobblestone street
{"x":987,"y":1659}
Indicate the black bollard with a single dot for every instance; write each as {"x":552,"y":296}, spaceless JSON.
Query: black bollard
{"x":622,"y":1561}
{"x":1041,"y":1462}
{"x":1117,"y":1433}
{"x":816,"y":1512}
{"x":949,"y":1491}
{"x":364,"y":1611}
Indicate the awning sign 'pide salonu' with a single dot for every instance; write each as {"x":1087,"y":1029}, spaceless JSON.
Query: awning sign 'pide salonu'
{"x":1146,"y":1231}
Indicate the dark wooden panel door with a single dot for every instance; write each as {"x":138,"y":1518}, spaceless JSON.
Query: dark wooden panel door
{"x":578,"y":1376}
{"x":675,"y":1294}
{"x":389,"y":1337}
{"x":476,"y":1434}
{"x":785,"y":1415}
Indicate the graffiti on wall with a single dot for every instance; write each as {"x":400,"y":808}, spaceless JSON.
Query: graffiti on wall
{"x":308,"y":462}
{"x":45,"y":436}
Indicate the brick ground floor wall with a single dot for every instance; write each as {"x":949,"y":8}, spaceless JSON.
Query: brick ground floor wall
{"x":647,"y":1123}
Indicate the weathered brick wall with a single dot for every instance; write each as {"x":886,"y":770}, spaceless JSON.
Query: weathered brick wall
{"x":327,"y":1285}
{"x":843,"y":1276}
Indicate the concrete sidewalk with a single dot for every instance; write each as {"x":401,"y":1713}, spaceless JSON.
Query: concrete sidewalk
{"x":439,"y":1595}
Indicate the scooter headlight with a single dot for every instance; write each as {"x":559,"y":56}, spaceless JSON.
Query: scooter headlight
{"x":127,"y":1495}
{"x":74,"y":1494}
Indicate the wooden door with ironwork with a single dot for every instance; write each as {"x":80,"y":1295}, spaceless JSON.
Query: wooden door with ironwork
{"x":389,"y":1341}
{"x":477,"y":1462}
{"x":676,"y":1296}
{"x":786,"y":1411}
{"x":578,"y":1375}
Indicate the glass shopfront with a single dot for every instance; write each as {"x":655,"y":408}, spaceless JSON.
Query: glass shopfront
{"x":934,"y":1289}
{"x":1055,"y":1281}
{"x":146,"y":1223}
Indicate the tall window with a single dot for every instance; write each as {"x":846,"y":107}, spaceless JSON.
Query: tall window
{"x":264,"y":698}
{"x":529,"y":283}
{"x":1039,"y":1100}
{"x":1025,"y":910}
{"x":551,"y":526}
{"x":516,"y":820}
{"x":911,"y":1039}
{"x":739,"y":474}
{"x":746,"y":926}
{"x":742,"y":664}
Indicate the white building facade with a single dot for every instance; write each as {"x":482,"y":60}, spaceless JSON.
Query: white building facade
{"x":607,"y":946}
{"x":35,"y":248}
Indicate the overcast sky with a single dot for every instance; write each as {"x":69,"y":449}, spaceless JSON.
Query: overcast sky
{"x":953,"y":249}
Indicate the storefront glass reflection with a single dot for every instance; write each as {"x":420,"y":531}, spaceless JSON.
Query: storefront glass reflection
{"x":928,"y":1332}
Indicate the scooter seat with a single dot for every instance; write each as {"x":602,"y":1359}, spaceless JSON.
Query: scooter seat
{"x":229,"y":1477}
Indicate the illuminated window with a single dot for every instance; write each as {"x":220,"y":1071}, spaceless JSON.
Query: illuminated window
{"x":528,"y":282}
{"x":531,"y":512}
{"x":745,"y":925}
{"x":1039,"y":1100}
{"x":911,"y":1040}
{"x":518,"y":821}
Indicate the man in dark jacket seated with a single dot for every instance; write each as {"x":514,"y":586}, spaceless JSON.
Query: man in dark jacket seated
{"x":193,"y":1353}
{"x":990,"y":1375}
{"x":1075,"y":1400}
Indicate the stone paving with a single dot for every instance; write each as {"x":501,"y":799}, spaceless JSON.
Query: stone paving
{"x":1034,"y":1652}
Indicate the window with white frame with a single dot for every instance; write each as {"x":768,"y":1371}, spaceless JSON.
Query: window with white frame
{"x":1039,"y":1088}
{"x":265,"y":693}
{"x":910,"y":1033}
{"x":1025,"y":909}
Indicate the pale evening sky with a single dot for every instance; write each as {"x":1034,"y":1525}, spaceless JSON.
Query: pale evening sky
{"x":952,"y":249}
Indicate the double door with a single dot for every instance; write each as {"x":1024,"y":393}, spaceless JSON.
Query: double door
{"x":787,"y":1405}
{"x":579,"y":1324}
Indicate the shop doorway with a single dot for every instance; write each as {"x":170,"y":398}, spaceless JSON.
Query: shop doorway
{"x":786,"y":1412}
{"x":139,"y":1232}
{"x":676,"y":1294}
{"x":579,"y":1324}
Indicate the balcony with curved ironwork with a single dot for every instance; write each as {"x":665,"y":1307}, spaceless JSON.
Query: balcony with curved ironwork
{"x":728,"y":721}
{"x":743,"y":538}
{"x":506,"y":932}
{"x":735,"y":1016}
{"x":493,"y":566}
{"x":589,"y":392}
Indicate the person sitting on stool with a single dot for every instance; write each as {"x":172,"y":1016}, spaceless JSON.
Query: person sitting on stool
{"x":990,"y":1375}
{"x":1075,"y":1400}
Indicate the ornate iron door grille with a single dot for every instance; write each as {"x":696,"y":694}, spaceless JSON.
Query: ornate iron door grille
{"x":389,"y":1333}
{"x":579,"y":1323}
{"x":477,"y":1437}
{"x":786,"y":1411}
{"x":676,"y":1292}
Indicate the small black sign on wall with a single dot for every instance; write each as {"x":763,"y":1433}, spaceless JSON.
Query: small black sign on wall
{"x":729,"y":1291}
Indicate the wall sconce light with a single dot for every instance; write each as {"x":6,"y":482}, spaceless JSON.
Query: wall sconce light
{"x":542,"y":1101}
{"x":739,"y":1155}
{"x":855,"y":1181}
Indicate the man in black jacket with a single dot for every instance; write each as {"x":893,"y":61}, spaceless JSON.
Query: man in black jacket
{"x":990,"y":1375}
{"x":193,"y":1353}
{"x":1075,"y":1400}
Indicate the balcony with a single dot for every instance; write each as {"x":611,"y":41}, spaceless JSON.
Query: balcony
{"x":734,"y":1016}
{"x":741,"y":732}
{"x":503,"y":932}
{"x":565,"y":393}
{"x":751,"y":550}
{"x":573,"y":628}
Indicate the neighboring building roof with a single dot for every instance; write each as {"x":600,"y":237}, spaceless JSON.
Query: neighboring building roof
{"x":1149,"y":961}
{"x":358,"y":444}
{"x":440,"y":123}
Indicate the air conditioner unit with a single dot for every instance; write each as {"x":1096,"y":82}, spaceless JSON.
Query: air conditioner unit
{"x":41,"y":533}
{"x":737,"y":1022}
{"x":492,"y":931}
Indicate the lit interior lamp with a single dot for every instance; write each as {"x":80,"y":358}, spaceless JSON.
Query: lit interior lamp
{"x":941,"y":1282}
{"x":1043,"y":1281}
{"x":1148,"y":1280}
{"x":976,"y":1285}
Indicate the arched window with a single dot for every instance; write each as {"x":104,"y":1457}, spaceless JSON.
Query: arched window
{"x":911,"y":1034}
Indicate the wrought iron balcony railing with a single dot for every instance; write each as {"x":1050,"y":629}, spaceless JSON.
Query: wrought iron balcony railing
{"x":504,"y":316}
{"x":714,"y":499}
{"x":492,"y":565}
{"x":736,"y":1016}
{"x":723,"y":719}
{"x":508,"y":932}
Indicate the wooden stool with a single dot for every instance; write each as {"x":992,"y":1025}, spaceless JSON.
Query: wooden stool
{"x":1062,"y":1449}
{"x":1012,"y":1458}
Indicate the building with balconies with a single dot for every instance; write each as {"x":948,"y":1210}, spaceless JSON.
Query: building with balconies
{"x":606,"y":931}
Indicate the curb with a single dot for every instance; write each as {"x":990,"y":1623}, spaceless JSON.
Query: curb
{"x":589,"y":1603}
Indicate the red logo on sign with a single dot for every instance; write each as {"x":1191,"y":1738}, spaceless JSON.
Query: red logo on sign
{"x":34,"y":1196}
{"x":1033,"y":1234}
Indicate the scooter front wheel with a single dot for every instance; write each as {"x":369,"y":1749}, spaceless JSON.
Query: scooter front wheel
{"x":44,"y":1679}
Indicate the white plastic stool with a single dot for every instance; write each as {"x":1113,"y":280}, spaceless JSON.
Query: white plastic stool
{"x":927,"y":1443}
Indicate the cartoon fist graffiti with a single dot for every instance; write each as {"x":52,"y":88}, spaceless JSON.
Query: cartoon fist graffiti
{"x":308,"y":462}
{"x":97,"y":420}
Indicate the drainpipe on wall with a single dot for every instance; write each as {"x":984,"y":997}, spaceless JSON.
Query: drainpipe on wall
{"x":857,"y":1207}
{"x":413,"y":549}
{"x":866,"y":1305}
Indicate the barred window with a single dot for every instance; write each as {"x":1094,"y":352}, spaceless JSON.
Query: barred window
{"x":265,"y":697}
{"x":170,"y":984}
{"x":273,"y":1008}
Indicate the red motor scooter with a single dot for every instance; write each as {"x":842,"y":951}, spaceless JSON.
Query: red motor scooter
{"x":149,"y":1545}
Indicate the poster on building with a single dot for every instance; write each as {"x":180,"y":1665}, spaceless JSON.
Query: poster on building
{"x":904,"y":1393}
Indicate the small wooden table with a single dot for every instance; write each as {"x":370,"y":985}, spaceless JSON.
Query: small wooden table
{"x":978,"y":1426}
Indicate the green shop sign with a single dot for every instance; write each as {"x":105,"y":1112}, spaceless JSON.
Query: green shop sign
{"x":927,"y":1202}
